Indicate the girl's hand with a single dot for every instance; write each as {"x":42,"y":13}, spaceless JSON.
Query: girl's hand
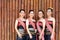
{"x":40,"y":37}
{"x":35,"y":30}
{"x":30,"y":36}
{"x":20,"y":35}
{"x":52,"y":36}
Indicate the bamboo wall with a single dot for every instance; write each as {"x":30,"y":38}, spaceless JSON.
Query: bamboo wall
{"x":9,"y":12}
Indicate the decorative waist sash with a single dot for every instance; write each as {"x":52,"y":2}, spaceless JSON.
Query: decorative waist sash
{"x":21,"y":31}
{"x":47,"y":32}
{"x":32,"y":31}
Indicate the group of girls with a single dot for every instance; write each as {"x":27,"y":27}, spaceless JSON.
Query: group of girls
{"x":29,"y":29}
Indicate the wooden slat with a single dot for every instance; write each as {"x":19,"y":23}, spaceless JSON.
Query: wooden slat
{"x":54,"y":7}
{"x":59,"y":23}
{"x":3,"y":19}
{"x":43,"y":5}
{"x":0,"y":20}
{"x":15,"y":7}
{"x":57,"y":19}
{"x":45,"y":8}
{"x":32,"y":4}
{"x":20,"y":3}
{"x":7,"y":20}
{"x":26,"y":6}
{"x":48,"y":3}
{"x":36,"y":7}
{"x":29,"y":4}
{"x":51,"y":3}
{"x":39,"y":4}
{"x":11,"y":16}
{"x":23,"y":4}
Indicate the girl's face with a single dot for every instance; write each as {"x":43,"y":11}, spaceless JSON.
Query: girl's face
{"x":49,"y":12}
{"x":22,"y":13}
{"x":40,"y":14}
{"x":31,"y":14}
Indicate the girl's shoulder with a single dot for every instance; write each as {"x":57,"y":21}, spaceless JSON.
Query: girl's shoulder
{"x":43,"y":20}
{"x":24,"y":19}
{"x":31,"y":20}
{"x":52,"y":19}
{"x":18,"y":19}
{"x":34,"y":20}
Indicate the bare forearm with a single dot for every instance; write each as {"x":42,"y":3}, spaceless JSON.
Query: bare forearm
{"x":17,"y":32}
{"x":42,"y":31}
{"x":28,"y":31}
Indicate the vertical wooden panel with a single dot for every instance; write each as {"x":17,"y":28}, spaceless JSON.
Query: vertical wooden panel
{"x":20,"y":3}
{"x":11,"y":17}
{"x":7,"y":19}
{"x":57,"y":20}
{"x":39,"y":4}
{"x":26,"y":6}
{"x":54,"y":7}
{"x":48,"y":3}
{"x":0,"y":20}
{"x":45,"y":7}
{"x":59,"y":17}
{"x":51,"y":3}
{"x":17,"y":8}
{"x":58,"y":34}
{"x":32,"y":2}
{"x":36,"y":8}
{"x":14,"y":17}
{"x":26,"y":2}
{"x":29,"y":4}
{"x":59,"y":23}
{"x":23,"y":4}
{"x":3,"y":19}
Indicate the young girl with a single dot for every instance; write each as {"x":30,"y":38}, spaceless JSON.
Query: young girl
{"x":50,"y":25}
{"x":20,"y":25}
{"x":30,"y":25}
{"x":41,"y":25}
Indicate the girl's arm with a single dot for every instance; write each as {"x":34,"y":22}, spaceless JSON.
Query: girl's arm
{"x":43,"y":27}
{"x":16,"y":23}
{"x":53,"y":30}
{"x":38,"y":28}
{"x":27,"y":23}
{"x":53,"y":26}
